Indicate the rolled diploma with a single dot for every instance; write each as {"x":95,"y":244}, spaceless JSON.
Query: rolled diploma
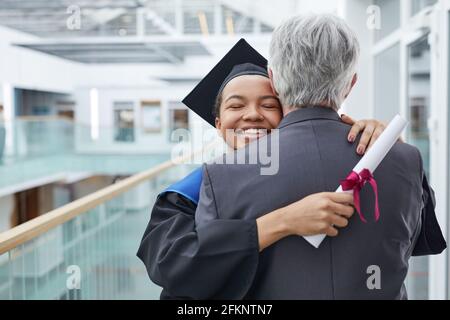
{"x":371,"y":159}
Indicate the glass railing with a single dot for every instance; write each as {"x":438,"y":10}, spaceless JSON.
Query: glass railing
{"x":34,"y":148}
{"x":86,"y":249}
{"x":35,"y":137}
{"x":32,"y":137}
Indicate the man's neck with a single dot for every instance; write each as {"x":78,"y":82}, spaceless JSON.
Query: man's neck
{"x":287,"y":110}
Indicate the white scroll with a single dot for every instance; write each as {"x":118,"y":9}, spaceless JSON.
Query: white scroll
{"x":372,"y":159}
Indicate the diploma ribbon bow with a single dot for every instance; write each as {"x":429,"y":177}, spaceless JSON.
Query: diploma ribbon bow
{"x":355,"y":182}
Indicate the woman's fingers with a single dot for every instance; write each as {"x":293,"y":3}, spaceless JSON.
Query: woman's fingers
{"x":342,"y":209}
{"x":365,"y":138}
{"x":355,"y":130}
{"x":377,"y":133}
{"x":371,"y":131}
{"x":331,"y":231}
{"x":338,"y":221}
{"x":340,"y":197}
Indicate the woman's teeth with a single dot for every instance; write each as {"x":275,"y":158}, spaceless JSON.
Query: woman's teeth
{"x":251,"y":132}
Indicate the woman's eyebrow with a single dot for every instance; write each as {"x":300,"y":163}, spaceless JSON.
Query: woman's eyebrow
{"x":268,"y":97}
{"x":235,"y":97}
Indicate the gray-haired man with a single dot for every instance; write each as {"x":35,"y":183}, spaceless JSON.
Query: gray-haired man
{"x":313,"y":67}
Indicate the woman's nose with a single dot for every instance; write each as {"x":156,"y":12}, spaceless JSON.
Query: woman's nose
{"x":252,"y":114}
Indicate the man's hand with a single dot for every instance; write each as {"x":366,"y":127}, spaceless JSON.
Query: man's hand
{"x":371,"y":131}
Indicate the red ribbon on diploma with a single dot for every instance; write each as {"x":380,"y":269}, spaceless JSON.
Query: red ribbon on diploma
{"x":355,"y":182}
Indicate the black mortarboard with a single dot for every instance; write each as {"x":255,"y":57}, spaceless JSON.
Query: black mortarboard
{"x":242,"y":59}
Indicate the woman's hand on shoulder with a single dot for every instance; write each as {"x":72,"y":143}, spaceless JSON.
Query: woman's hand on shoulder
{"x":371,"y":130}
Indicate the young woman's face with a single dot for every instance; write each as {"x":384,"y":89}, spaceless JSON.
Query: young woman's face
{"x":249,"y":110}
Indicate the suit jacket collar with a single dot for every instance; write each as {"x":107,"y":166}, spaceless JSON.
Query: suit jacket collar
{"x":309,"y":113}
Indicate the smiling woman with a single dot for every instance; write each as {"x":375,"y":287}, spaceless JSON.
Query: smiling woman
{"x":249,"y":109}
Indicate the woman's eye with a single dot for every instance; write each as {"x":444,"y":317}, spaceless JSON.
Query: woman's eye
{"x":270,"y":106}
{"x":236,"y":106}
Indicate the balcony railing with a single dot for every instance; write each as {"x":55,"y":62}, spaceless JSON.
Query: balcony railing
{"x":87,"y":248}
{"x":44,"y":147}
{"x":35,"y":136}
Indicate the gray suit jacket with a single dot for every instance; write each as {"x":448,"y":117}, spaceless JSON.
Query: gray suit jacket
{"x":314,"y":156}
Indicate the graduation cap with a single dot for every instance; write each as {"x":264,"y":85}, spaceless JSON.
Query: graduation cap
{"x":242,"y":59}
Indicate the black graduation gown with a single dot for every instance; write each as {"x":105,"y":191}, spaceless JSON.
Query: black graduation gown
{"x":216,"y":261}
{"x":431,"y":240}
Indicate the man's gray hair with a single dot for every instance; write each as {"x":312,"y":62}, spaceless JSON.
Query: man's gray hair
{"x":313,"y":59}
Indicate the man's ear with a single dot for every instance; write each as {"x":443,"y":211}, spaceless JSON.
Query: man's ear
{"x":271,"y":82}
{"x":354,"y":81}
{"x":218,"y":126}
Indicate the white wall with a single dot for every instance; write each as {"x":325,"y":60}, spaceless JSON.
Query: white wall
{"x":267,"y":12}
{"x":359,"y":104}
{"x":144,"y":142}
{"x":263,"y":10}
{"x":319,"y":6}
{"x":29,"y":69}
